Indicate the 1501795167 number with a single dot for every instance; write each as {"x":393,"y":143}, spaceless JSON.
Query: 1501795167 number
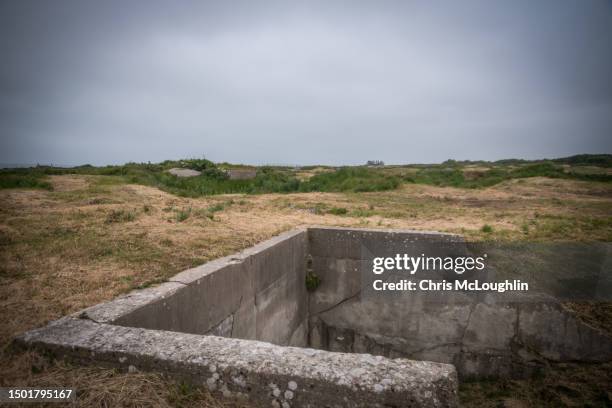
{"x":24,"y":394}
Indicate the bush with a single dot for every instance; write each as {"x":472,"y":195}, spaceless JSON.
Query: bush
{"x":215,"y":208}
{"x":197,"y":164}
{"x":213,"y":180}
{"x":182,"y":215}
{"x":439,"y":177}
{"x":120,"y":216}
{"x":338,"y":211}
{"x":355,"y":179}
{"x":23,"y":179}
{"x":312,"y":281}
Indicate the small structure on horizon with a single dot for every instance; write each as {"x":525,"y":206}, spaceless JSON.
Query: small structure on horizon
{"x":375,"y":163}
{"x":184,"y":172}
{"x":241,"y":174}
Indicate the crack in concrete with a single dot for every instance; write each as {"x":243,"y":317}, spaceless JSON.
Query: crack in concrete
{"x":339,"y":303}
{"x":403,"y":352}
{"x":437,"y":346}
{"x":467,"y":323}
{"x":177,"y":281}
{"x":85,"y":316}
{"x":234,"y":316}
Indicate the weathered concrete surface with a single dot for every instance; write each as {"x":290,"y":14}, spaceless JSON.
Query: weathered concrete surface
{"x":481,"y":334}
{"x":348,"y":243}
{"x":184,"y":172}
{"x":241,"y":174}
{"x":258,"y":293}
{"x":110,"y":312}
{"x":481,"y":340}
{"x":259,"y":372}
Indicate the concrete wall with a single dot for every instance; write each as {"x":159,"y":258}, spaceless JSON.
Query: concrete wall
{"x":481,"y":334}
{"x":257,"y":374}
{"x":256,"y":294}
{"x":260,"y":294}
{"x":241,"y":174}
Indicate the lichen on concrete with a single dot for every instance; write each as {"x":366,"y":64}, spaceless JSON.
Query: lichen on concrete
{"x":259,"y":371}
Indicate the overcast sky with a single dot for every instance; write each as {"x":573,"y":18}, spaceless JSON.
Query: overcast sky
{"x":288,"y":82}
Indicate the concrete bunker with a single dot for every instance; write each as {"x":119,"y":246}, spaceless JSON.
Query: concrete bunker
{"x":247,"y":327}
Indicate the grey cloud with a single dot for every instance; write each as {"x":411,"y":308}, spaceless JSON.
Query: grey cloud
{"x":299,"y":83}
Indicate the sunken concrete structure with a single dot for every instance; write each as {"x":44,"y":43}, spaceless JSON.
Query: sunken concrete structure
{"x":245,"y":326}
{"x":184,"y":172}
{"x":241,"y":174}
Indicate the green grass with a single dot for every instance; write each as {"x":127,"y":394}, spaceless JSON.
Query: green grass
{"x":351,"y":179}
{"x":269,"y":179}
{"x":312,"y":281}
{"x":213,"y":180}
{"x":182,"y":215}
{"x":338,"y":211}
{"x":487,"y":229}
{"x":452,"y":175}
{"x":576,"y":228}
{"x":216,"y":207}
{"x":32,"y":179}
{"x":210,"y":211}
{"x":360,"y":212}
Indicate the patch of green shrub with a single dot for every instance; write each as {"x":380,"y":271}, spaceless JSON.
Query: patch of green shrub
{"x":338,"y":211}
{"x":23,"y":179}
{"x":438,"y":177}
{"x":487,"y":229}
{"x":355,"y":179}
{"x":215,"y":208}
{"x":361,"y":212}
{"x":312,"y":281}
{"x":120,"y":216}
{"x":214,"y":180}
{"x":182,"y":215}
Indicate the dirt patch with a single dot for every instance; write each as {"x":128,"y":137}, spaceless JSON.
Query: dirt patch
{"x":542,"y":187}
{"x":68,"y":183}
{"x":304,"y":175}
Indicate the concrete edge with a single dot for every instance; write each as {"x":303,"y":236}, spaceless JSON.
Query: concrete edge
{"x":111,"y":311}
{"x":385,"y":230}
{"x":257,"y":371}
{"x":193,"y":274}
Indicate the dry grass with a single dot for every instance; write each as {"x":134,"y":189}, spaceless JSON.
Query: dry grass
{"x":304,"y":175}
{"x":105,"y":387}
{"x":563,"y":385}
{"x":59,"y":253}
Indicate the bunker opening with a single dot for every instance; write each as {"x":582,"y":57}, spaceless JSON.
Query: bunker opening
{"x":264,"y":294}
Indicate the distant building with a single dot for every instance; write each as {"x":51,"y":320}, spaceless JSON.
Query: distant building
{"x":375,"y":163}
{"x":241,"y":174}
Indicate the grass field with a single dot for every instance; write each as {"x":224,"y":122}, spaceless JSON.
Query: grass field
{"x":68,"y":241}
{"x":214,"y":180}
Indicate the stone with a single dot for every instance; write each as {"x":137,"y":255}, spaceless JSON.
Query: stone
{"x":184,"y":172}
